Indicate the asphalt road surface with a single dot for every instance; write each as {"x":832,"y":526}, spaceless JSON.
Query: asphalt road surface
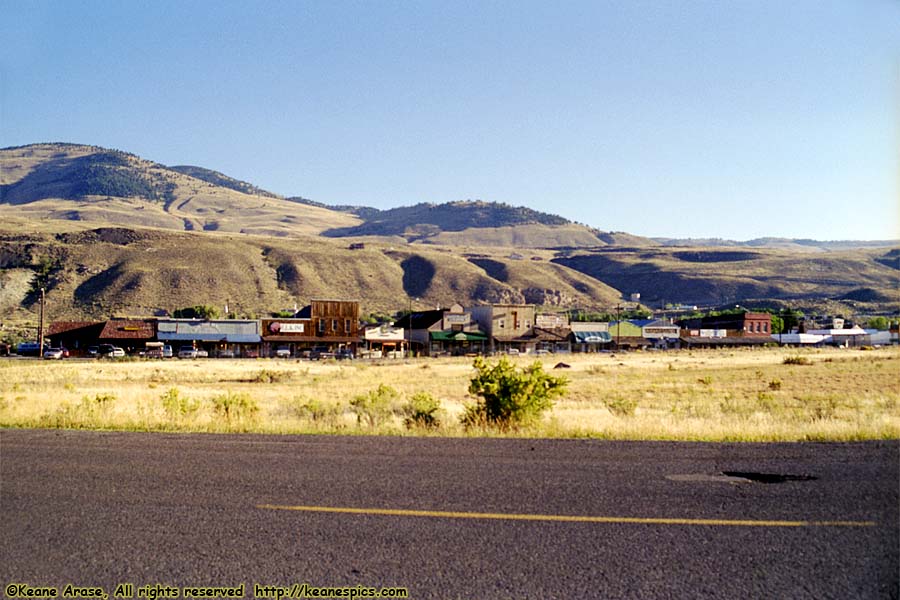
{"x":445,"y":518}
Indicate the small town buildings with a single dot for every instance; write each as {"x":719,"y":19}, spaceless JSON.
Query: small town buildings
{"x":506,"y":326}
{"x":845,"y":338}
{"x":744,"y":324}
{"x":735,"y":329}
{"x":336,"y":320}
{"x":75,"y":336}
{"x":131,"y":335}
{"x":419,"y":326}
{"x":444,"y":332}
{"x":218,"y":337}
{"x":459,"y":334}
{"x":660,"y":332}
{"x":589,"y":336}
{"x":626,"y":335}
{"x":326,"y":327}
{"x":384,"y":341}
{"x":552,"y":321}
{"x":550,"y":340}
{"x":799,"y":339}
{"x":286,"y":337}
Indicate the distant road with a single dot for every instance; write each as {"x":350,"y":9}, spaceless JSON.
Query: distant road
{"x":449,"y":518}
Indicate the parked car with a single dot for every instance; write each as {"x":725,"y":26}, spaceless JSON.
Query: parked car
{"x":320,"y":353}
{"x":167,"y":351}
{"x":93,"y":351}
{"x":29,"y":349}
{"x":53,"y":353}
{"x":187,"y":352}
{"x":283,"y":352}
{"x":107,"y":351}
{"x":118,"y":352}
{"x":202,"y":353}
{"x":226,"y":354}
{"x":344,"y":354}
{"x":154,"y":350}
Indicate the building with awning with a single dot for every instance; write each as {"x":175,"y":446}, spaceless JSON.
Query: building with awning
{"x":219,"y":337}
{"x":458,"y":343}
{"x":436,"y":332}
{"x":384,"y":341}
{"x":590,"y":341}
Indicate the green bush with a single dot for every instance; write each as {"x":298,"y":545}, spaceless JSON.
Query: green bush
{"x":178,"y":406}
{"x":621,"y":406}
{"x":510,"y":397}
{"x":421,"y":411}
{"x":374,"y":407}
{"x":320,"y":413}
{"x":235,"y":407}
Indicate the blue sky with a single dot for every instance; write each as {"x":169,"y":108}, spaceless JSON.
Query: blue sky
{"x":670,"y":118}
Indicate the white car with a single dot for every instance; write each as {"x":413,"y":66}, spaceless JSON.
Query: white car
{"x":53,"y":353}
{"x":187,"y":352}
{"x":117,"y":352}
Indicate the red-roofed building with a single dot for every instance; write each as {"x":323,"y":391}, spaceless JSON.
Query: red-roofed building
{"x":75,"y":336}
{"x":130,"y":334}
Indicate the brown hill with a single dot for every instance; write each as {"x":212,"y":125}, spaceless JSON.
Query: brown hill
{"x":95,"y":273}
{"x":68,"y":182}
{"x":109,"y":232}
{"x":717,"y":276}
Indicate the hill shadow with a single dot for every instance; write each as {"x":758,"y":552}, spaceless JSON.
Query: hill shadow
{"x":494,"y":268}
{"x":418,"y":273}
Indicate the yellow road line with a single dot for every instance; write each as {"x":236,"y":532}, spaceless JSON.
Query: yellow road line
{"x":563,"y":518}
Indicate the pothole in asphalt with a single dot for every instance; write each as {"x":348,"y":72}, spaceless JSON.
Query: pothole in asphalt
{"x":705,"y":477}
{"x":740,"y":477}
{"x":767,"y":477}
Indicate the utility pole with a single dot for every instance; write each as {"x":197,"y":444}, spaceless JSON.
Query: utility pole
{"x":41,"y":328}
{"x":618,"y":327}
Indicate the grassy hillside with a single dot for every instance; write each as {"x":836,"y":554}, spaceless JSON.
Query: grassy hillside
{"x":724,"y":275}
{"x":109,"y":232}
{"x":222,"y":180}
{"x":107,"y":271}
{"x":49,"y":182}
{"x":473,"y":223}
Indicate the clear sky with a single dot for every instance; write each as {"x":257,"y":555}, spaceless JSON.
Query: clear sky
{"x":680,"y":118}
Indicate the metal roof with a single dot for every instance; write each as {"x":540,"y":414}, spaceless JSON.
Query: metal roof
{"x":234,"y":338}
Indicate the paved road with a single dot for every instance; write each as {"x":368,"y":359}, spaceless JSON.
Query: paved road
{"x":614,"y":520}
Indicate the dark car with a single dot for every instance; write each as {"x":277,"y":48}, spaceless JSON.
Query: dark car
{"x":105,"y":350}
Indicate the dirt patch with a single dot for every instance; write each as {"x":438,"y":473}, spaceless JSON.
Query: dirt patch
{"x":14,"y":287}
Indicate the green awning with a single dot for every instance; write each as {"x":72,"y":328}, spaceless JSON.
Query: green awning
{"x":458,"y":336}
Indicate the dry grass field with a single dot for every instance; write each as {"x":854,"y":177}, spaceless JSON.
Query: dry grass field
{"x":714,"y":395}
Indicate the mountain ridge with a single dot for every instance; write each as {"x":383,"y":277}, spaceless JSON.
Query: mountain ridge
{"x":93,"y":174}
{"x":188,"y":235}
